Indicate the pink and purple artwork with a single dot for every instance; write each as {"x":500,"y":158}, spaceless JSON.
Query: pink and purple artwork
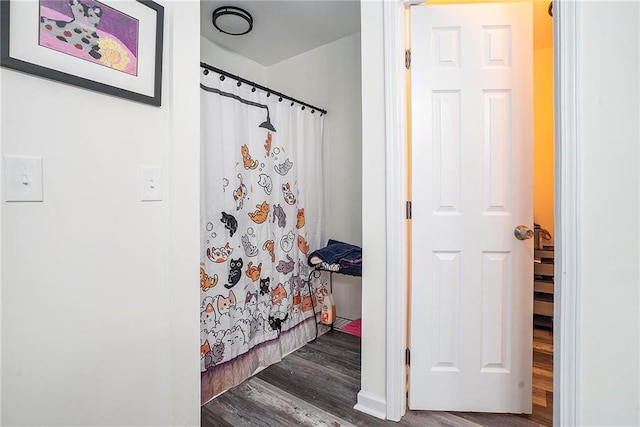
{"x":92,"y":31}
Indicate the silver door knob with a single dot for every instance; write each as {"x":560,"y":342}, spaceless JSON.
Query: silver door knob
{"x":523,"y":233}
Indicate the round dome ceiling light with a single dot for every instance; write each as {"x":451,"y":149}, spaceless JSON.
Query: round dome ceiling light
{"x":232,"y":20}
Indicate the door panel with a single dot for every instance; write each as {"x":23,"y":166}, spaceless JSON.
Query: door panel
{"x":472,"y":280}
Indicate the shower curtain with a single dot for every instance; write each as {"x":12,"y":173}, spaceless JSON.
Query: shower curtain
{"x":261,"y":214}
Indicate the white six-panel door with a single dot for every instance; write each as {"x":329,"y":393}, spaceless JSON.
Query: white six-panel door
{"x":472,"y":290}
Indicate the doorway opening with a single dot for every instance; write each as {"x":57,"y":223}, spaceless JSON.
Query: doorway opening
{"x":543,"y":213}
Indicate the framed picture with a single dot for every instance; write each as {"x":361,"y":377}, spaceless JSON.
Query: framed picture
{"x":110,"y":46}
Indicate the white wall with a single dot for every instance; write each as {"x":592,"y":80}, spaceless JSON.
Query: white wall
{"x":99,"y":290}
{"x":374,"y":286}
{"x":329,"y":77}
{"x":219,"y":57}
{"x":608,"y":138}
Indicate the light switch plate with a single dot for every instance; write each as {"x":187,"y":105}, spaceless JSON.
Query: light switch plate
{"x":22,"y":179}
{"x":150,"y":183}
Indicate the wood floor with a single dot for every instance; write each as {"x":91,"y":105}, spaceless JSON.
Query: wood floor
{"x":318,"y":384}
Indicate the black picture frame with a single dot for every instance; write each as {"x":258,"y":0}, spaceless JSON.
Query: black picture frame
{"x":145,"y":86}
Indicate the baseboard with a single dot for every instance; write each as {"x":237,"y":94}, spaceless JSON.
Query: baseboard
{"x":372,"y":405}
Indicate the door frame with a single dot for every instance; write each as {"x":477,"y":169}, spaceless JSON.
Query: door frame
{"x":567,"y":215}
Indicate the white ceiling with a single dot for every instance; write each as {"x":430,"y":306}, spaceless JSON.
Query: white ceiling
{"x":283,"y":29}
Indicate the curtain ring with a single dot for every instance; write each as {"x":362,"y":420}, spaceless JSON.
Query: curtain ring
{"x":222,"y":78}
{"x":205,"y":72}
{"x":268,"y":94}
{"x":313,"y":111}
{"x":239,"y":84}
{"x":280,"y":99}
{"x":292,"y":103}
{"x":253,"y":89}
{"x":303,"y":107}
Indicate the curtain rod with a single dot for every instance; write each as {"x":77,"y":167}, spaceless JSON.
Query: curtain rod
{"x":266,"y":89}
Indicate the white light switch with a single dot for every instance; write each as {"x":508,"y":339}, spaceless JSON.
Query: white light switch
{"x":22,"y":179}
{"x":150,"y":183}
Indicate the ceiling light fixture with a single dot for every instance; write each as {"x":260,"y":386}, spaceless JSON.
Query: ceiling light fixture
{"x":232,"y":20}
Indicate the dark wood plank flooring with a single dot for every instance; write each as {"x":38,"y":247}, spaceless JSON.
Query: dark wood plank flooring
{"x":317,"y":386}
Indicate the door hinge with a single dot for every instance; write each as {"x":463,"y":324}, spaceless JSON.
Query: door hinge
{"x":409,"y":212}
{"x":407,"y":357}
{"x":407,"y":59}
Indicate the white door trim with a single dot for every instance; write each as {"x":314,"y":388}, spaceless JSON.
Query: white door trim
{"x":566,"y":355}
{"x":396,"y":196}
{"x":567,"y":213}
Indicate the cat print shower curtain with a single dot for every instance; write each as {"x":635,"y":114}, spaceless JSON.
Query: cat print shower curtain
{"x":261,"y":214}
